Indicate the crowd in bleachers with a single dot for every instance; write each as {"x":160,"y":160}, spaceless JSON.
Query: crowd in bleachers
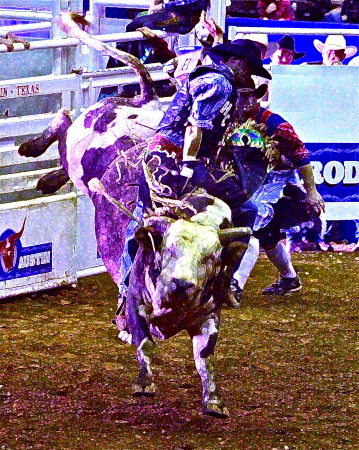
{"x":339,"y":11}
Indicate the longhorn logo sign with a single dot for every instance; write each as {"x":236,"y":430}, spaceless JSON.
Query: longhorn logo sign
{"x":17,"y":261}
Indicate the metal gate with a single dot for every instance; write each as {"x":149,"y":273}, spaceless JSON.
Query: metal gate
{"x":47,"y":241}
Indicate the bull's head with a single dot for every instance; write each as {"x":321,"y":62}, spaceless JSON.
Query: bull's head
{"x":190,"y":257}
{"x":8,"y":249}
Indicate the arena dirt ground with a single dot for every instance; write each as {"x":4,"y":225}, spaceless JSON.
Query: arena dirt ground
{"x":287,"y":367}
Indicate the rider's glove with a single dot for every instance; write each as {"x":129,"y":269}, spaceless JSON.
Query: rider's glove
{"x":188,"y":168}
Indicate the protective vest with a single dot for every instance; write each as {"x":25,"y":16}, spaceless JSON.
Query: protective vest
{"x":175,"y":119}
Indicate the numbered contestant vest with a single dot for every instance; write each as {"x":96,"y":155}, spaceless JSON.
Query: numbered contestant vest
{"x":175,"y":120}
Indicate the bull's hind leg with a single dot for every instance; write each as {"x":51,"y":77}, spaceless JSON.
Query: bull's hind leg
{"x":53,"y":181}
{"x":204,"y":339}
{"x":57,"y":128}
{"x":144,"y":385}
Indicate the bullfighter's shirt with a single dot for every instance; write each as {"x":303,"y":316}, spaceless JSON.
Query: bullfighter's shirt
{"x":293,"y":153}
{"x":207,"y":100}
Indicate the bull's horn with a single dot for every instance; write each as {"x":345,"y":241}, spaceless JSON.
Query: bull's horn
{"x":230,"y":234}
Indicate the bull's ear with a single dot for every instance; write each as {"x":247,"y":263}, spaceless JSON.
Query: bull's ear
{"x":152,"y":234}
{"x":225,"y":224}
{"x":159,"y":225}
{"x":149,"y":237}
{"x":141,"y":235}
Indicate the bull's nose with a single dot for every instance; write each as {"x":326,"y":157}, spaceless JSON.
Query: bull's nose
{"x":180,"y":282}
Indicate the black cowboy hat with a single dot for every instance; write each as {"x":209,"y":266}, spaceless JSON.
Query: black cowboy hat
{"x":258,"y":92}
{"x":247,"y":51}
{"x":287,"y":43}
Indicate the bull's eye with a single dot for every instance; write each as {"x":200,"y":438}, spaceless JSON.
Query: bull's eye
{"x":168,"y":253}
{"x":206,"y":259}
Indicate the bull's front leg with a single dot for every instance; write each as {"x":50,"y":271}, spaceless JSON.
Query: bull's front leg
{"x":204,"y":339}
{"x":144,"y":385}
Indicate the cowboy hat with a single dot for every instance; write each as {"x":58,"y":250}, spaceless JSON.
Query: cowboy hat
{"x":261,"y":40}
{"x":287,"y":43}
{"x":247,"y":51}
{"x":258,"y":92}
{"x":335,"y":42}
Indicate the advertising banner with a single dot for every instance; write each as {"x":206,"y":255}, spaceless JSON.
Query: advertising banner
{"x":336,"y":171}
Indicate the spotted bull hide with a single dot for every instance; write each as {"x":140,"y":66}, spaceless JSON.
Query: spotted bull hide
{"x":182,"y":268}
{"x":178,"y":282}
{"x":179,"y":278}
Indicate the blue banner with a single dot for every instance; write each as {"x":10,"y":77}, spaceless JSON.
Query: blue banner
{"x":336,"y":171}
{"x":17,"y":261}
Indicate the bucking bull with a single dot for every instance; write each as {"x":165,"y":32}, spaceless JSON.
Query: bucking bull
{"x":182,"y":270}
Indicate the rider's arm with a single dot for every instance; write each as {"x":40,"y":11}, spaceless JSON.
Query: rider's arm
{"x":209,"y":93}
{"x":192,"y":143}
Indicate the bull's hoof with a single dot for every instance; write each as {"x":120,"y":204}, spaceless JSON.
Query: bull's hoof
{"x":140,"y":390}
{"x":158,"y":314}
{"x":35,"y":147}
{"x":215,"y":409}
{"x":52,"y":182}
{"x":125,"y":336}
{"x":32,"y":148}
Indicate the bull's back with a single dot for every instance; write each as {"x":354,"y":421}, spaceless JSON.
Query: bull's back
{"x":100,"y":133}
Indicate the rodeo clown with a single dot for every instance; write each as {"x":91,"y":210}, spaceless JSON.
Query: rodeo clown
{"x":282,"y":200}
{"x":185,"y":152}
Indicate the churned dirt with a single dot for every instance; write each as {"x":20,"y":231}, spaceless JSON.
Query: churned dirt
{"x":287,"y":367}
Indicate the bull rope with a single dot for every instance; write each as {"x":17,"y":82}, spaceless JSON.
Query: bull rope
{"x":97,"y":187}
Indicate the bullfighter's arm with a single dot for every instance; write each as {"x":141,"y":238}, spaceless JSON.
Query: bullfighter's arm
{"x":313,"y":197}
{"x":291,"y":147}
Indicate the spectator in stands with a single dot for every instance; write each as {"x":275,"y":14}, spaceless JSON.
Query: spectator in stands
{"x":174,"y":16}
{"x":335,"y":15}
{"x":267,"y":48}
{"x":334,"y":50}
{"x":286,"y":52}
{"x":350,"y":11}
{"x":275,"y":10}
{"x":312,"y":10}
